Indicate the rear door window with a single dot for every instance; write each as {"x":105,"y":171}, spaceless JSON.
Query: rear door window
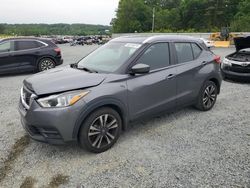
{"x":156,"y":56}
{"x":26,"y":45}
{"x":196,"y":50}
{"x":184,"y":52}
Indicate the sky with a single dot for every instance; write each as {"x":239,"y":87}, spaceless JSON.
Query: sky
{"x":58,"y":11}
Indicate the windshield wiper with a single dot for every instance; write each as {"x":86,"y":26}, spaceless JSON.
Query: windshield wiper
{"x":84,"y":68}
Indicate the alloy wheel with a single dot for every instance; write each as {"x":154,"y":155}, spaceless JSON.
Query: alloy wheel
{"x":46,"y":64}
{"x":103,"y":131}
{"x":209,"y":96}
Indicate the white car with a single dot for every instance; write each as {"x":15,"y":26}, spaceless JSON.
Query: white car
{"x":209,"y":43}
{"x":237,"y":64}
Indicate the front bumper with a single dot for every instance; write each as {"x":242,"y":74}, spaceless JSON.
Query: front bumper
{"x":235,"y":70}
{"x":235,"y":74}
{"x":50,"y":125}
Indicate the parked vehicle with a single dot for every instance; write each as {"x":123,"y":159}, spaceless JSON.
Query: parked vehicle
{"x":209,"y":43}
{"x":60,"y":41}
{"x":237,"y":64}
{"x":28,"y":54}
{"x":88,"y":41}
{"x":127,"y":79}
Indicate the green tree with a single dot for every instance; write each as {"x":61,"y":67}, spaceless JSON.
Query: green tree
{"x":2,"y":28}
{"x":242,"y":18}
{"x":132,"y":15}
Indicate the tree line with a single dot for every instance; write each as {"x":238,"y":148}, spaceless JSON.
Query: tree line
{"x":182,"y":15}
{"x":52,"y":29}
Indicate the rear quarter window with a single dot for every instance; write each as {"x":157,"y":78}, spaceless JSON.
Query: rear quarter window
{"x":27,"y":45}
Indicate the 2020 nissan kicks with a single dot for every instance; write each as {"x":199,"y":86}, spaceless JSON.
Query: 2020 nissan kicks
{"x":129,"y":78}
{"x":28,"y":54}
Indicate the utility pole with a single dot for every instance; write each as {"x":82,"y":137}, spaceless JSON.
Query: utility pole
{"x":153,"y":22}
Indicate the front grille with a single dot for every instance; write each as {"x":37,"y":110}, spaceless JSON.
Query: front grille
{"x":45,"y":132}
{"x":26,"y":97}
{"x":239,"y":68}
{"x":33,"y":130}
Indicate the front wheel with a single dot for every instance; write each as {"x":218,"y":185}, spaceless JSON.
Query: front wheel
{"x":100,"y":130}
{"x":207,"y":96}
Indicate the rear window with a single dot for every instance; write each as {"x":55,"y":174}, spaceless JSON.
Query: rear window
{"x":184,"y":52}
{"x":26,"y":45}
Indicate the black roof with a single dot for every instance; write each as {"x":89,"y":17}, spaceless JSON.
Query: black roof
{"x":155,"y":38}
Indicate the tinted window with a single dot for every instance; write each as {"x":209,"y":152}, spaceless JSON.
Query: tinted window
{"x":156,"y":56}
{"x":196,"y":49}
{"x":184,"y":52}
{"x":25,"y":45}
{"x":5,"y":47}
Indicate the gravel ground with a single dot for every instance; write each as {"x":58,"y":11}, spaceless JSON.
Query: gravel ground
{"x":186,"y":148}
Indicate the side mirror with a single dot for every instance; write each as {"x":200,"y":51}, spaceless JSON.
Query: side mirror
{"x":140,"y":69}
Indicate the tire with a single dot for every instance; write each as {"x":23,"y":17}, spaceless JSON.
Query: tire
{"x":207,"y":96}
{"x":100,"y":131}
{"x":46,"y":64}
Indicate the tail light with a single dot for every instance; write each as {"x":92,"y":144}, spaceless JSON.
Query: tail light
{"x":57,"y":50}
{"x":217,"y":59}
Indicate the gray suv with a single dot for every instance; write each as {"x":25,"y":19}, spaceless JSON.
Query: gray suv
{"x":127,"y":79}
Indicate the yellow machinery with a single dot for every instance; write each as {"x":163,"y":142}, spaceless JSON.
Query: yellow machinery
{"x":223,"y":38}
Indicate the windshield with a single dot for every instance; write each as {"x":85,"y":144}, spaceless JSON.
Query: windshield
{"x":109,"y":57}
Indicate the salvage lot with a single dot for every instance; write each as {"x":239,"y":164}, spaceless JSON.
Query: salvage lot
{"x":187,"y":148}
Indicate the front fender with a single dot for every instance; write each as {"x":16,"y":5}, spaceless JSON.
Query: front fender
{"x":97,"y":103}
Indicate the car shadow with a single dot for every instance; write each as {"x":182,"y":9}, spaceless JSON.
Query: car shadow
{"x":237,"y":80}
{"x":133,"y":130}
{"x":16,"y":74}
{"x":164,"y":117}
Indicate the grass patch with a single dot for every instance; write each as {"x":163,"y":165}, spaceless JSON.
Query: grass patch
{"x":15,"y":152}
{"x":58,"y":180}
{"x":28,"y":182}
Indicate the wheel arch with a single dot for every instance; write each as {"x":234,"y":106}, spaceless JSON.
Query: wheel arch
{"x":111,"y":103}
{"x":44,"y":57}
{"x":217,"y":83}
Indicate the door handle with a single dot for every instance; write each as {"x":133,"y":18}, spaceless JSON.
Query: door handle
{"x":204,"y":63}
{"x":171,"y":76}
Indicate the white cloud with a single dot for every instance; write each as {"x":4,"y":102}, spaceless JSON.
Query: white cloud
{"x":58,"y":11}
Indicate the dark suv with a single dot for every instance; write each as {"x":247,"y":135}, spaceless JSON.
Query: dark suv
{"x":127,"y":79}
{"x":28,"y":54}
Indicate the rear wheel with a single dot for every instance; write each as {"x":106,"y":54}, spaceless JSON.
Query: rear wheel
{"x":207,"y":96}
{"x":100,"y":130}
{"x":46,"y":64}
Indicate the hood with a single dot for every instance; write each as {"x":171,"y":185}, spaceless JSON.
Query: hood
{"x":242,"y":43}
{"x":62,"y":79}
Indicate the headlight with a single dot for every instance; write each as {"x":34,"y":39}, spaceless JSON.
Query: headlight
{"x":227,"y":62}
{"x":62,"y":100}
